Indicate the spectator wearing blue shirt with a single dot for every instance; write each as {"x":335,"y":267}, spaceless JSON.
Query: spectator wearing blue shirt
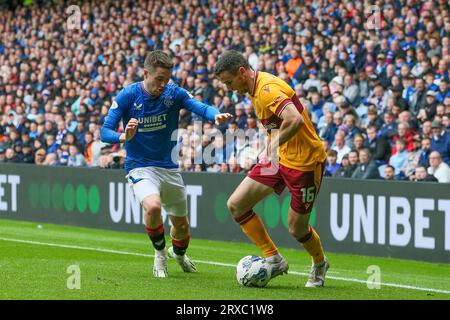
{"x":329,"y":129}
{"x":409,"y":41}
{"x":440,"y":141}
{"x":380,"y":67}
{"x":52,"y":146}
{"x":443,"y":91}
{"x":352,"y":129}
{"x":429,"y":81}
{"x":331,"y":166}
{"x":409,"y":90}
{"x":79,"y":132}
{"x":34,"y":134}
{"x":389,"y":128}
{"x":240,"y":117}
{"x":399,"y":159}
{"x":316,"y":104}
{"x":75,"y":159}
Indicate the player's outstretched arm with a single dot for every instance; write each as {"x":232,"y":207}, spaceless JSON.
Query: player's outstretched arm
{"x":205,"y":111}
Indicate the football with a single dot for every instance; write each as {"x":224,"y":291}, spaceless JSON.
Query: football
{"x":253,"y":271}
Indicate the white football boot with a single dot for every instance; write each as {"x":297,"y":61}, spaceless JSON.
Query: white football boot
{"x":317,"y":275}
{"x":278,"y":265}
{"x":185,"y":263}
{"x":160,"y":264}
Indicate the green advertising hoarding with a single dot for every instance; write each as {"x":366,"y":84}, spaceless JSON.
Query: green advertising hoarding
{"x":397,"y":219}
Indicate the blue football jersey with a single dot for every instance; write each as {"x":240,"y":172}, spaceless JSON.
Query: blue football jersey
{"x":155,"y":138}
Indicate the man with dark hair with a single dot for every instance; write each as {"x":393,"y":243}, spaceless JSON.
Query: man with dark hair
{"x":302,"y":73}
{"x":418,"y":99}
{"x":231,"y":62}
{"x":353,"y":161}
{"x":372,"y":117}
{"x":425,"y":152}
{"x":398,"y":99}
{"x":389,"y":173}
{"x":367,"y":169}
{"x":27,"y":152}
{"x":296,"y":160}
{"x":378,"y":146}
{"x":343,"y":167}
{"x":428,"y":110}
{"x":421,"y":174}
{"x":443,"y":90}
{"x":389,"y":127}
{"x":150,"y":110}
{"x":331,"y":166}
{"x":11,"y":156}
{"x":208,"y":91}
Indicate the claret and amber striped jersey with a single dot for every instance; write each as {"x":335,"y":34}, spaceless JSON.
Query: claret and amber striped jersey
{"x":269,"y":97}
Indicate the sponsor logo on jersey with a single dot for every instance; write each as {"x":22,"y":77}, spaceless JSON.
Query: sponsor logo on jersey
{"x":277,"y":99}
{"x":152,"y":123}
{"x":114,"y":105}
{"x":153,"y":119}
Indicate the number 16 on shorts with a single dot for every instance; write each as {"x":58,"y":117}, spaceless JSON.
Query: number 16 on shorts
{"x":308,"y":194}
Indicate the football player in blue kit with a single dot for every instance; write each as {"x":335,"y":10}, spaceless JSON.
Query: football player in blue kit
{"x":150,"y":112}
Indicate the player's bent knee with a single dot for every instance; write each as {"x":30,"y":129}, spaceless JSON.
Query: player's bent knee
{"x":293,"y":232}
{"x":151,"y":207}
{"x":234,"y":207}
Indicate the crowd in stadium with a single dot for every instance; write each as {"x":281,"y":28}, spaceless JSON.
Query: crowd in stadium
{"x":376,"y":84}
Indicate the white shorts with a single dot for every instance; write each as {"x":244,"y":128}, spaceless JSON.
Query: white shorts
{"x":166,"y":183}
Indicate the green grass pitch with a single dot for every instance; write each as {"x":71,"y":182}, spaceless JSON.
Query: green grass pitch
{"x":34,"y":264}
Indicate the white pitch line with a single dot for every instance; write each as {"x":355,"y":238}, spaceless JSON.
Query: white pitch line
{"x":396,"y":285}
